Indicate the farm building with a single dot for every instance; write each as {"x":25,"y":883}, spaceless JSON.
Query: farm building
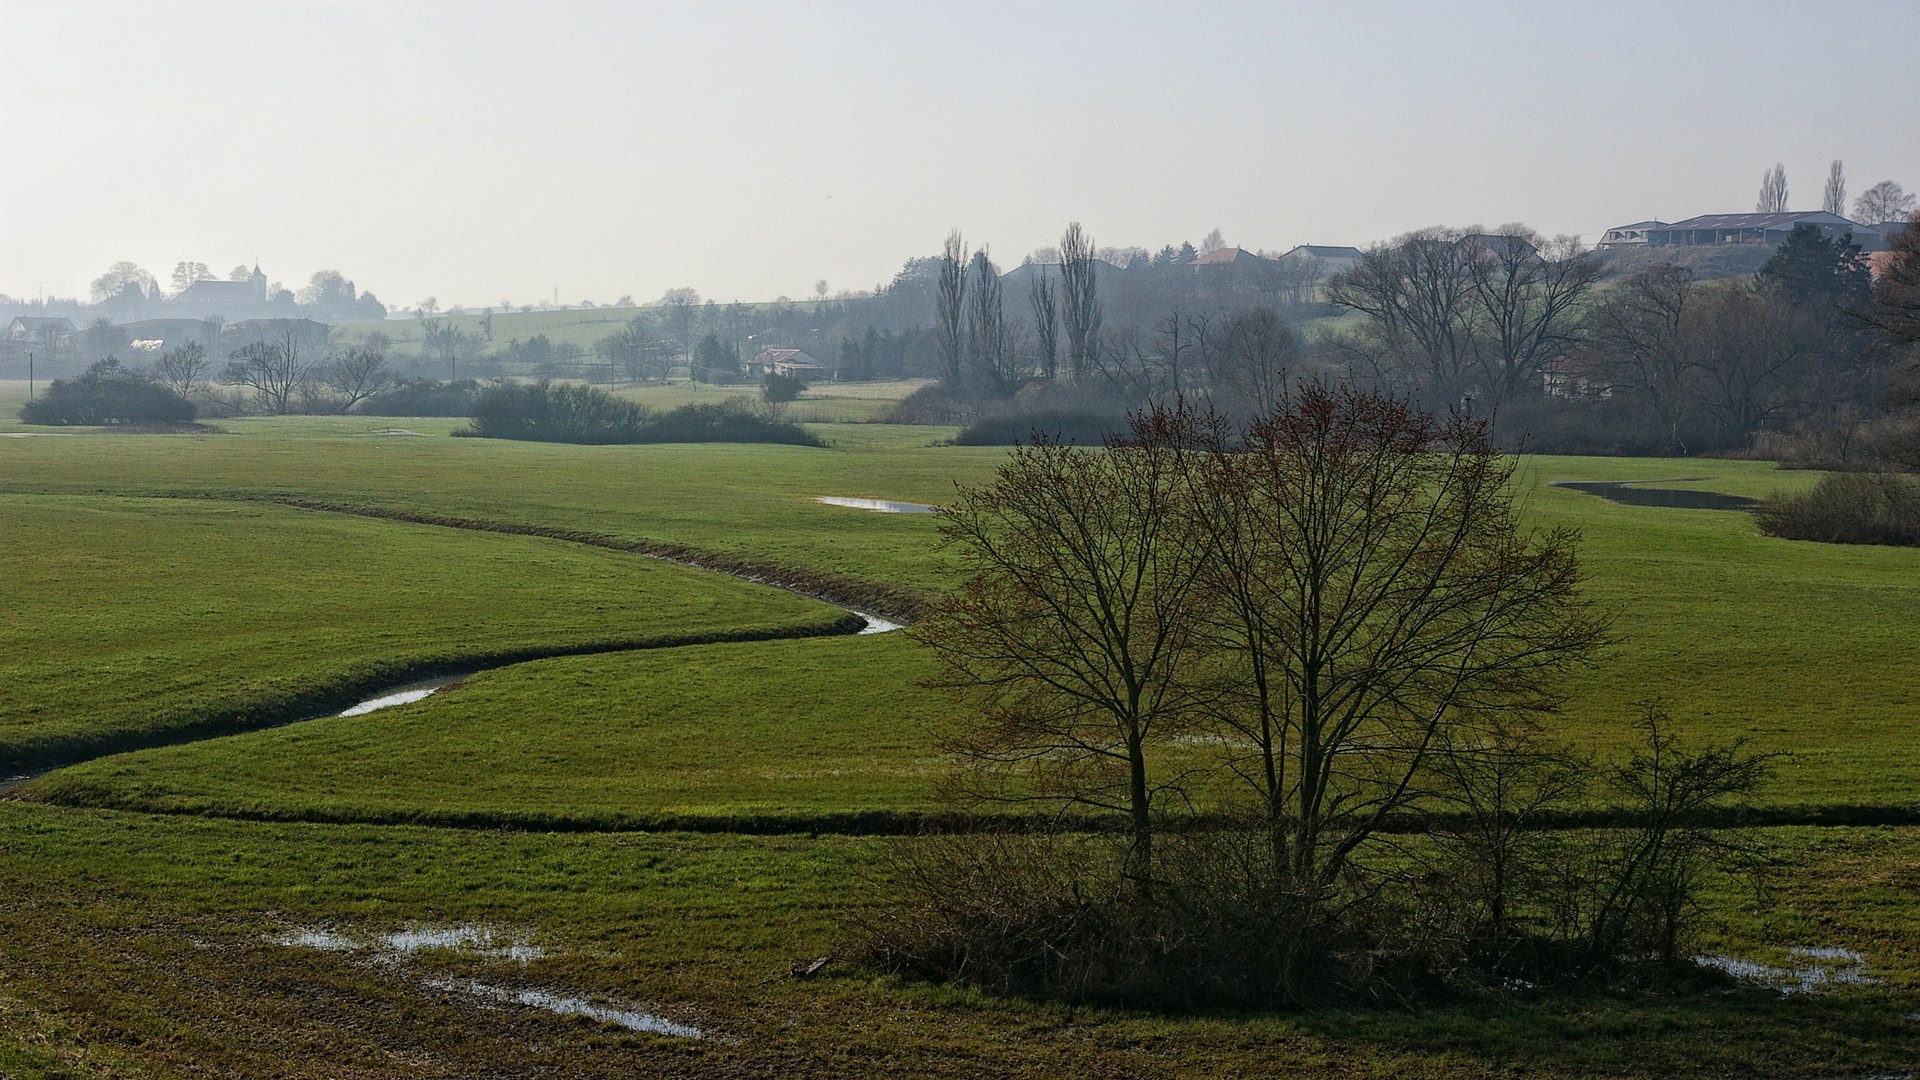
{"x":1228,"y":256}
{"x":1324,"y":258}
{"x":1633,"y":235}
{"x":154,"y":336}
{"x":37,"y":329}
{"x":1768,"y":229}
{"x":211,"y":296}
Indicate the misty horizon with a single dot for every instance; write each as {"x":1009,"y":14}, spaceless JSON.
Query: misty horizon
{"x":475,"y":154}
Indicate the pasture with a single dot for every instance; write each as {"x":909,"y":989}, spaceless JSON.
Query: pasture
{"x":160,"y":586}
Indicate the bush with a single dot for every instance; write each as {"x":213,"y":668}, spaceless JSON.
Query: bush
{"x":542,"y":412}
{"x":932,"y":404}
{"x":422,"y":397}
{"x":777,"y":388}
{"x":722,"y":423}
{"x":1493,"y":892}
{"x":1084,"y":428}
{"x":1849,"y":508}
{"x":108,"y":393}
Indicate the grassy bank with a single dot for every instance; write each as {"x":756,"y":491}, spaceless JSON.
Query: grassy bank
{"x":142,"y":620}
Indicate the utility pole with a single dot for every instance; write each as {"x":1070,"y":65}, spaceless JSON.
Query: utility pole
{"x":29,"y":376}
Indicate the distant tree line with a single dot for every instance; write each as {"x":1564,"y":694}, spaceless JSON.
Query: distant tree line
{"x":572,"y":413}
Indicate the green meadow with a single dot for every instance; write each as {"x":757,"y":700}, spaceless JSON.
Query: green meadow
{"x":135,"y":619}
{"x":161,"y":588}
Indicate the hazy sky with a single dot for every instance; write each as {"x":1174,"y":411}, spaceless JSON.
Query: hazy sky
{"x":478,"y":151}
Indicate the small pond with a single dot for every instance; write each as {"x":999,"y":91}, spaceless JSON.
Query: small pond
{"x":1628,"y":491}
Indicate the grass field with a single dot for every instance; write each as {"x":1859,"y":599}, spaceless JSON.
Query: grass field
{"x":141,"y":946}
{"x":135,"y":620}
{"x":145,"y":573}
{"x":810,"y":729}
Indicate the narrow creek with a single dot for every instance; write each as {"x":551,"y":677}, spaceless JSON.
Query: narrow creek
{"x":417,"y":689}
{"x":421,"y":689}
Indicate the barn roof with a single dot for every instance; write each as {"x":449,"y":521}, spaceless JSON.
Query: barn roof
{"x":1760,"y":221}
{"x":1227,"y":256}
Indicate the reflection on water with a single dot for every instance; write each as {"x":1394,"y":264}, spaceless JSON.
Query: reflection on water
{"x":1812,"y":969}
{"x":884,"y":506}
{"x":388,"y":950}
{"x":387,"y":701}
{"x":469,"y":940}
{"x":631,"y":1019}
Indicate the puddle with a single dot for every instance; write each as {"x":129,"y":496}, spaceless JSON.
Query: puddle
{"x":477,"y":940}
{"x":631,"y":1019}
{"x":1625,"y":491}
{"x":484,"y":941}
{"x":322,"y":940}
{"x":398,"y":431}
{"x":1812,"y":969}
{"x":35,"y":434}
{"x":884,"y":506}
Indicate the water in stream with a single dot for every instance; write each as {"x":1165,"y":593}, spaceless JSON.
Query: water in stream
{"x":884,"y":506}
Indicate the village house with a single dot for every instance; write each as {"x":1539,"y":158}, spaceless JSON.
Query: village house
{"x":40,"y":330}
{"x":785,"y":362}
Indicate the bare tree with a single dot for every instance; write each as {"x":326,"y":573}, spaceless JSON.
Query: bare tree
{"x":1417,"y":295}
{"x":949,"y":314}
{"x":1340,"y":588}
{"x":1375,"y":596}
{"x":183,"y":369}
{"x":276,"y":370}
{"x":631,"y":351}
{"x":355,"y":375}
{"x":446,"y":341}
{"x":1638,"y":339}
{"x":1046,"y":322}
{"x":1129,"y":366}
{"x":1250,"y":368}
{"x":1080,"y":300}
{"x":1834,"y":200}
{"x":1773,"y":192}
{"x":1073,"y":629}
{"x":1212,"y":242}
{"x":682,"y":302}
{"x":1176,"y":342}
{"x":989,"y":340}
{"x":1529,"y":292}
{"x":1757,"y":358}
{"x":1884,"y":201}
{"x":186,"y":273}
{"x":118,"y":277}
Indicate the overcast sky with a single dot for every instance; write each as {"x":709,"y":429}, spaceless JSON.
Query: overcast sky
{"x":478,"y":151}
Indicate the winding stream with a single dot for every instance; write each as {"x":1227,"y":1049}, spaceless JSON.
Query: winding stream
{"x":413,"y":690}
{"x":420,"y":690}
